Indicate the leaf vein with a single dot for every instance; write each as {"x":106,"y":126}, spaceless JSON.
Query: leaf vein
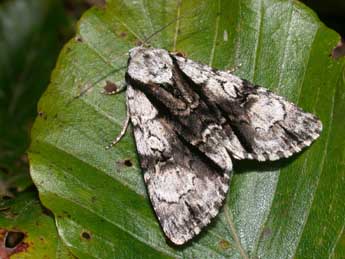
{"x":234,"y":232}
{"x":177,"y":26}
{"x":214,"y":44}
{"x":258,"y":40}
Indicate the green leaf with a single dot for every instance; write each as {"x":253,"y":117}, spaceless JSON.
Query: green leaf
{"x":39,"y":238}
{"x":292,"y":210}
{"x":30,"y":39}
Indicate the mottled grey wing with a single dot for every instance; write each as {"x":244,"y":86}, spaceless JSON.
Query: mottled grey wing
{"x":185,"y":191}
{"x":267,"y":126}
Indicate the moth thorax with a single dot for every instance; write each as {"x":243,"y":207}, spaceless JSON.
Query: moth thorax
{"x":148,"y":65}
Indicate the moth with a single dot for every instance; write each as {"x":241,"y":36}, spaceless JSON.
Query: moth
{"x":190,"y":121}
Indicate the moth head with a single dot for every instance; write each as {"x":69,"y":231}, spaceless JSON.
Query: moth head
{"x":150,"y":65}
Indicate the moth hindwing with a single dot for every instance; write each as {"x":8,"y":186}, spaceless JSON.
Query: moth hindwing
{"x":190,"y":121}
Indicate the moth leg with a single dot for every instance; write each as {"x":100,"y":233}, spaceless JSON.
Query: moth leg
{"x":112,"y":89}
{"x":123,"y":131}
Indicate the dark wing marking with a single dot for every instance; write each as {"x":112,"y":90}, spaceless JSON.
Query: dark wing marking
{"x":185,"y":191}
{"x":267,"y":126}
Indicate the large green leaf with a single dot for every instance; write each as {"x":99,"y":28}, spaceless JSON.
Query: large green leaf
{"x":291,"y":209}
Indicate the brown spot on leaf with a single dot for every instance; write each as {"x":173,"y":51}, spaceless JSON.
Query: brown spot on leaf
{"x":86,"y":235}
{"x":110,"y":87}
{"x":266,"y":232}
{"x":224,"y":244}
{"x":43,"y":240}
{"x":138,"y":43}
{"x":339,"y":50}
{"x":66,"y":214}
{"x":43,"y":115}
{"x":123,"y":34}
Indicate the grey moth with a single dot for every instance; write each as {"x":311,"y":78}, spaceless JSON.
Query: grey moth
{"x":190,"y":122}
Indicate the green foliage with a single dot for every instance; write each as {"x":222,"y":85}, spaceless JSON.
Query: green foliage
{"x":289,"y":209}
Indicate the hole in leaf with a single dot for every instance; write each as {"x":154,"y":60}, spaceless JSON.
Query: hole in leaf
{"x":78,"y":38}
{"x":42,"y":115}
{"x":86,"y":235}
{"x":13,"y":239}
{"x":128,"y":163}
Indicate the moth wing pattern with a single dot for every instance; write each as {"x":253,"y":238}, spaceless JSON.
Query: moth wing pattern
{"x":185,"y":191}
{"x":267,"y":126}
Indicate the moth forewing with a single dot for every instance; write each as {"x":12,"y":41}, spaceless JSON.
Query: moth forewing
{"x":185,"y":191}
{"x":189,"y":121}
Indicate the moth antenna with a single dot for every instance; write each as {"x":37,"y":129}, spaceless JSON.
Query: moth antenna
{"x":123,"y":131}
{"x":159,"y":30}
{"x":146,"y":40}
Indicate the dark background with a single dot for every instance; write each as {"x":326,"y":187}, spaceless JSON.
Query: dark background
{"x":331,"y":12}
